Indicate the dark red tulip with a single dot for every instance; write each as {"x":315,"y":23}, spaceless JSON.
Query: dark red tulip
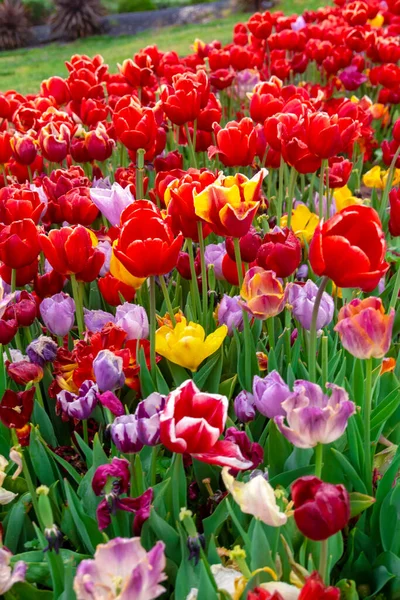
{"x":280,"y":252}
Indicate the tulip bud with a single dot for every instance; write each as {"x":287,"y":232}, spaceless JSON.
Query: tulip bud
{"x":230,"y":313}
{"x":249,"y":245}
{"x":302,"y":299}
{"x":244,"y":407}
{"x":321,"y":509}
{"x":124,"y":434}
{"x":269,"y":392}
{"x":280,"y":252}
{"x":24,"y":310}
{"x":95,"y":320}
{"x":24,"y":148}
{"x":133,"y":320}
{"x":81,"y":405}
{"x":148,"y":419}
{"x":183,"y":265}
{"x":8,"y":329}
{"x":58,"y":313}
{"x":42,"y":350}
{"x":108,"y":370}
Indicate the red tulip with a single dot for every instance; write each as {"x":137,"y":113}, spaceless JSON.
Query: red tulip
{"x":236,"y":143}
{"x":230,"y":270}
{"x":93,"y":111}
{"x":146,"y":245}
{"x":54,"y":142}
{"x":222,"y":79}
{"x":135,"y":126}
{"x":19,"y":202}
{"x":280,"y":252}
{"x":172,"y":160}
{"x":19,"y":245}
{"x":192,"y":422}
{"x":99,"y":144}
{"x":320,"y":509}
{"x":48,"y":284}
{"x":339,"y":172}
{"x":249,"y":245}
{"x":5,"y":108}
{"x":23,"y":310}
{"x":24,"y":274}
{"x":314,"y":589}
{"x":16,"y":408}
{"x":260,"y":25}
{"x":188,"y":94}
{"x":8,"y":329}
{"x":350,"y":248}
{"x":112,"y":289}
{"x":24,"y":148}
{"x":77,"y":207}
{"x":137,"y":76}
{"x":57,"y":88}
{"x":183,"y":265}
{"x":24,"y":372}
{"x":70,"y":250}
{"x":5,"y":147}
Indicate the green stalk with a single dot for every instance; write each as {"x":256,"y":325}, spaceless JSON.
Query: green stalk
{"x":321,"y":188}
{"x":292,"y":184}
{"x":388,"y":185}
{"x":192,"y":151}
{"x":13,"y":280}
{"x":167,"y":299}
{"x":139,"y":173}
{"x":204,"y":289}
{"x":193,"y":283}
{"x":246,"y":324}
{"x":78,"y":303}
{"x":323,"y":559}
{"x":280,"y":193}
{"x":318,"y":454}
{"x":312,"y":348}
{"x":367,"y":425}
{"x":153,"y":466}
{"x":271,"y":332}
{"x":395,"y":293}
{"x":153,"y":362}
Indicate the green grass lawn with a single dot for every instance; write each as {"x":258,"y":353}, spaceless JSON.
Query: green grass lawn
{"x":23,"y":70}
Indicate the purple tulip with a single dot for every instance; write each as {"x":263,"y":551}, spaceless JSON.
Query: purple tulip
{"x":10,"y":575}
{"x":111,"y":202}
{"x":124,"y":434}
{"x":213,"y":255}
{"x":58,"y":313}
{"x":148,"y":419}
{"x":314,"y":417}
{"x":42,"y":350}
{"x":132,"y":319}
{"x":122,"y":562}
{"x":302,"y":272}
{"x":230,"y":313}
{"x":96,"y":319}
{"x":269,"y":393}
{"x":79,"y":406}
{"x":107,"y":368}
{"x":109,"y":400}
{"x":302,"y":299}
{"x":244,"y":406}
{"x":352,"y":78}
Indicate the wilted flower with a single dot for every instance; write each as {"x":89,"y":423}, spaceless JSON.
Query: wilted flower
{"x":122,"y":569}
{"x":269,"y":393}
{"x":364,"y":328}
{"x":302,"y":300}
{"x":256,"y":497}
{"x":58,"y":313}
{"x":314,"y":417}
{"x":10,"y":576}
{"x":42,"y":350}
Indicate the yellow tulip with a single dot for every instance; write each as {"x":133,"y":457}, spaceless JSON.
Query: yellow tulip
{"x":377,"y":21}
{"x":344,"y":198}
{"x":373,"y":178}
{"x":304,"y":223}
{"x":118,"y":271}
{"x":187,"y":345}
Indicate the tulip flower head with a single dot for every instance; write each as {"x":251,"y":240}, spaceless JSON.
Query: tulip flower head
{"x":230,"y":204}
{"x":314,"y":417}
{"x":320,"y":509}
{"x":301,"y":298}
{"x":263,"y":294}
{"x":364,"y":328}
{"x":187,"y":344}
{"x":304,"y":223}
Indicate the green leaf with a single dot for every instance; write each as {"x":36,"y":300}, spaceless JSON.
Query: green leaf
{"x":227,"y":387}
{"x":206,"y":588}
{"x":359,"y":503}
{"x":66,"y":465}
{"x":383,"y":490}
{"x":349,"y":471}
{"x":42,"y":464}
{"x":285,"y":479}
{"x":260,"y":549}
{"x":87,"y":528}
{"x":15,"y":524}
{"x":87,"y":451}
{"x":179,"y":374}
{"x":26,"y":591}
{"x":41,"y":418}
{"x":278,"y":449}
{"x":214,"y":522}
{"x":204,"y":373}
{"x":146,"y":382}
{"x":383,"y":411}
{"x":167,"y":534}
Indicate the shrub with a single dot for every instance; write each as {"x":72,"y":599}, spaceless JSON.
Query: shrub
{"x":14,"y":25}
{"x":77,"y":18}
{"x":38,"y":10}
{"x":135,"y":5}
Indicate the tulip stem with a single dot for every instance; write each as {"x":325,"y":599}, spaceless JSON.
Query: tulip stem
{"x":139,"y":173}
{"x":280,"y":193}
{"x":321,"y":189}
{"x":323,"y":559}
{"x":79,"y":308}
{"x":271,"y":332}
{"x":246,"y":324}
{"x":153,"y":326}
{"x":153,"y":466}
{"x":319,"y":455}
{"x":192,"y":151}
{"x":312,"y":346}
{"x":204,"y":289}
{"x":194,"y":284}
{"x":13,"y":280}
{"x":85,"y":432}
{"x":292,"y":183}
{"x":167,"y":300}
{"x":395,"y":293}
{"x":367,"y":424}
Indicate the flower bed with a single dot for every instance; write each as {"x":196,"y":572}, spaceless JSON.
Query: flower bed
{"x":199,"y":380}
